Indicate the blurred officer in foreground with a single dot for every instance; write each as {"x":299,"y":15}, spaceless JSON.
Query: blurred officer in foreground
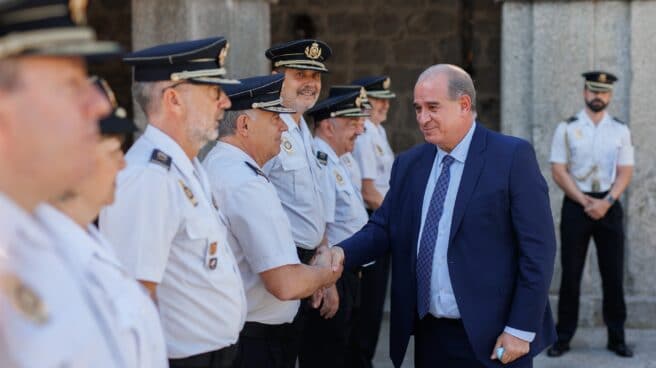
{"x":49,"y":114}
{"x":127,"y":309}
{"x":258,"y":228}
{"x":165,"y":224}
{"x":337,"y":121}
{"x":592,"y":162}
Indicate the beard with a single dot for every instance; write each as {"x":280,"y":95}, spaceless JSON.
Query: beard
{"x":596,"y":105}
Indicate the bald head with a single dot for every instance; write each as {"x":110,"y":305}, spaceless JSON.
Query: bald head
{"x":459,"y":82}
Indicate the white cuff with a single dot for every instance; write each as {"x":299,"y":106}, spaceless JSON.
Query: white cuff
{"x":524,"y":335}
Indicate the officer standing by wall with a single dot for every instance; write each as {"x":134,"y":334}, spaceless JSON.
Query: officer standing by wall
{"x":165,"y":224}
{"x":592,"y":162}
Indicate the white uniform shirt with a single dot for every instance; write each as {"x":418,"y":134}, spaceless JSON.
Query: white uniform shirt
{"x":127,"y":308}
{"x":65,"y":331}
{"x":349,"y":212}
{"x":297,"y":176}
{"x":592,"y":152}
{"x":258,"y":228}
{"x":353,"y":169}
{"x":165,"y":229}
{"x":374,"y":155}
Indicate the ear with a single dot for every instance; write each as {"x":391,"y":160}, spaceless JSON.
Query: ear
{"x":465,"y":103}
{"x":242,"y":125}
{"x":172,"y":100}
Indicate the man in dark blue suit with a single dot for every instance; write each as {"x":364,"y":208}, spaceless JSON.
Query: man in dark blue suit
{"x":468,"y":223}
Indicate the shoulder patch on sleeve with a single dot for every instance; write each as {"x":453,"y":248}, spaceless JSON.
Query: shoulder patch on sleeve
{"x":256,"y":170}
{"x":572,"y":119}
{"x":161,"y":158}
{"x":322,"y":157}
{"x":618,"y":120}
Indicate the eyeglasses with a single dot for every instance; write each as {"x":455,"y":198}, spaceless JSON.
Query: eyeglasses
{"x":217,"y":91}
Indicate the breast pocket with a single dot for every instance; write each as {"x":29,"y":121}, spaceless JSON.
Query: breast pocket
{"x":197,"y":238}
{"x":297,"y":174}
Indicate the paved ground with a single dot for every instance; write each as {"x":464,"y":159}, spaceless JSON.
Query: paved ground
{"x":588,"y":351}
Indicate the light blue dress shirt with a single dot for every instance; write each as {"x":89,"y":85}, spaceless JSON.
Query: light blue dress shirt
{"x":443,"y":303}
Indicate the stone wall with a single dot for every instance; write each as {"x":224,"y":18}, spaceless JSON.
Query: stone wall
{"x":546,"y":46}
{"x":400,"y":38}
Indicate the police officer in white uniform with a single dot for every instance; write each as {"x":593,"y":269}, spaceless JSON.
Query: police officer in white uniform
{"x":165,"y":224}
{"x":375,"y":158}
{"x":592,"y":162}
{"x":337,"y":124}
{"x":127,"y":309}
{"x":258,"y":228}
{"x":45,"y":318}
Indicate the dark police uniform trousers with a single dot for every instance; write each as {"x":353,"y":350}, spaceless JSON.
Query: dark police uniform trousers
{"x":222,"y":358}
{"x":576,"y":228}
{"x":325,"y":341}
{"x":267,"y":346}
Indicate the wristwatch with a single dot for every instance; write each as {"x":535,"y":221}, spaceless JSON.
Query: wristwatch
{"x":610,"y":199}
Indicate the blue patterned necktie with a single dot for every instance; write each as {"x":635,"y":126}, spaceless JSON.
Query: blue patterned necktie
{"x":429,"y":238}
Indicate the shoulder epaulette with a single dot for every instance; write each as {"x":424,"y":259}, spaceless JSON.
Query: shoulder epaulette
{"x":161,"y":158}
{"x":618,"y":120}
{"x":257,"y":170}
{"x":572,"y":119}
{"x":322,"y":157}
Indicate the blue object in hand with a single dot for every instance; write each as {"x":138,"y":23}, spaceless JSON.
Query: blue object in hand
{"x":500,"y":352}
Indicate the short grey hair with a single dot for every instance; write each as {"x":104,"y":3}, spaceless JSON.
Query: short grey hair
{"x":144,"y":94}
{"x":459,"y":82}
{"x":228,"y":126}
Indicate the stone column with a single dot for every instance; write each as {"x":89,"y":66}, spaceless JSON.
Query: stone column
{"x":245,"y":23}
{"x":546,"y":45}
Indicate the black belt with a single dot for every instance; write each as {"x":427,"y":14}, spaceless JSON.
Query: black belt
{"x":597,"y":194}
{"x":263,"y":331}
{"x":305,"y":255}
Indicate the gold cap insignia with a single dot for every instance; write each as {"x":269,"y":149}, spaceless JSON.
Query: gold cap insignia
{"x":223,"y":54}
{"x":188,"y":193}
{"x":387,"y":83}
{"x":78,"y":9}
{"x":24,"y":299}
{"x":602,"y":78}
{"x":361,"y":98}
{"x":313,"y":51}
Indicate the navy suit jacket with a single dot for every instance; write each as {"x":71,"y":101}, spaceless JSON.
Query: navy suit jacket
{"x":501,"y":248}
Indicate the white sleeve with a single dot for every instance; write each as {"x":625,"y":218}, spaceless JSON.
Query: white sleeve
{"x":329,"y":193}
{"x":559,"y":145}
{"x":142,"y":222}
{"x":626,"y":153}
{"x":365,"y":156}
{"x":260,"y":225}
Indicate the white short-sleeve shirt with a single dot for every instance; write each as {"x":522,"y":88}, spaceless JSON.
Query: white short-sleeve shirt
{"x":45,"y":318}
{"x":123,"y":302}
{"x":353,"y":168}
{"x":258,"y":228}
{"x":592,"y":151}
{"x":297,"y":176}
{"x":374,"y":155}
{"x":349,"y":212}
{"x":166,"y":229}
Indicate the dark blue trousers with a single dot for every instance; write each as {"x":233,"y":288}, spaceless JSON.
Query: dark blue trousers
{"x":443,"y":343}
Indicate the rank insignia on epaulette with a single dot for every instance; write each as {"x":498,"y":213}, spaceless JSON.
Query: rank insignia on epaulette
{"x":322,"y":157}
{"x":572,"y":119}
{"x":287,"y":146}
{"x":379,"y":150}
{"x":161,"y":158}
{"x":24,"y":299}
{"x":188,"y":193}
{"x":257,"y":170}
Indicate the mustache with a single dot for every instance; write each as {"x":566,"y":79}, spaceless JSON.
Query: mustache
{"x":307,"y":89}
